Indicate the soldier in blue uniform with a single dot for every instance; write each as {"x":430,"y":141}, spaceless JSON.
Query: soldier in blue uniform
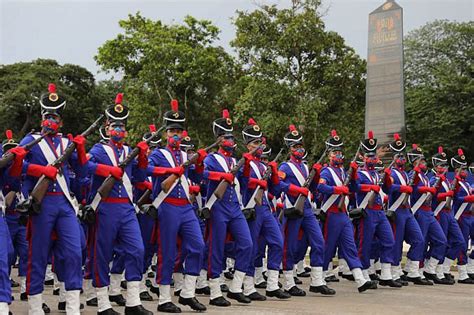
{"x":176,"y":215}
{"x":116,"y":221}
{"x":293,"y":174}
{"x":338,"y":230}
{"x":373,"y":223}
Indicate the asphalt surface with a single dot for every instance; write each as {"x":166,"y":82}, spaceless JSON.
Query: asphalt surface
{"x":437,"y":299}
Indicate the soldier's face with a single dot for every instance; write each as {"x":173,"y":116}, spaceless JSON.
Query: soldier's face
{"x":117,"y":132}
{"x":336,"y":158}
{"x":51,"y":123}
{"x":441,"y":169}
{"x":174,"y":137}
{"x":256,"y":144}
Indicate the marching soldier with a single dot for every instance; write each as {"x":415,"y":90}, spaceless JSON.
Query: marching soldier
{"x":57,"y":212}
{"x":176,"y":215}
{"x":404,"y":225}
{"x":293,"y":174}
{"x":462,"y":203}
{"x":373,"y":223}
{"x":116,"y":221}
{"x":337,"y":227}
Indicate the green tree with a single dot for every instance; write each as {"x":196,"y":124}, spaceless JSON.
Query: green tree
{"x":159,"y":62}
{"x":298,"y":72}
{"x":21,"y":85}
{"x":439,"y":59}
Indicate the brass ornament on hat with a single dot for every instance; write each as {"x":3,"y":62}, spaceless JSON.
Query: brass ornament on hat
{"x":118,"y":108}
{"x":175,"y":114}
{"x":294,"y":133}
{"x":336,"y":138}
{"x":463,"y":157}
{"x":229,"y":121}
{"x":187,"y":138}
{"x":443,"y":154}
{"x":53,"y":97}
{"x":256,"y":128}
{"x":11,"y":141}
{"x":398,"y":143}
{"x":371,"y":141}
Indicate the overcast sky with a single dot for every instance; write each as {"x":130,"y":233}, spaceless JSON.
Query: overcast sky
{"x":70,"y":31}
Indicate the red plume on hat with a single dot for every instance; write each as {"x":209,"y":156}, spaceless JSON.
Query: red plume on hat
{"x":252,"y":122}
{"x":396,"y":136}
{"x":414,"y":146}
{"x":460,"y":152}
{"x":333,"y":133}
{"x":370,"y":134}
{"x":225,"y":114}
{"x":52,"y":88}
{"x":119,"y":98}
{"x":292,"y":128}
{"x":152,"y":128}
{"x":9,"y":134}
{"x":440,"y":149}
{"x":174,"y":105}
{"x":185,"y":133}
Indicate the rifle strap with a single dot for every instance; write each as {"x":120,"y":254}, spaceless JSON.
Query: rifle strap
{"x":50,"y":157}
{"x":400,"y":198}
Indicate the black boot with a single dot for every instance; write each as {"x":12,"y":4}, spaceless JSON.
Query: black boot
{"x":402,"y":282}
{"x":304,"y":274}
{"x":239,"y":297}
{"x":118,"y":299}
{"x":137,"y":310}
{"x":229,"y":275}
{"x":419,"y":281}
{"x":278,"y":293}
{"x":155,"y":290}
{"x":390,"y":283}
{"x":449,"y":276}
{"x":193,"y":303}
{"x":224,"y":288}
{"x":471,"y":275}
{"x":349,"y":277}
{"x":151,"y":274}
{"x":203,"y":291}
{"x":307,"y":269}
{"x":109,"y":311}
{"x":297,"y":281}
{"x":436,"y":280}
{"x":56,"y":291}
{"x":369,"y":285}
{"x":168,"y":307}
{"x":123,"y":284}
{"x":49,"y":282}
{"x":145,"y":296}
{"x":219,"y":301}
{"x":46,"y":308}
{"x":331,"y":278}
{"x":14,"y":284}
{"x":295,"y":291}
{"x":62,"y":306}
{"x":257,"y":297}
{"x":92,"y":302}
{"x":374,"y":277}
{"x":323,"y":289}
{"x":148,"y":283}
{"x":466,"y":281}
{"x":261,"y":285}
{"x":23,"y":296}
{"x":177,"y":292}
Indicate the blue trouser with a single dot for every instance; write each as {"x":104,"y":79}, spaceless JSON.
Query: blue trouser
{"x":406,"y":228}
{"x":5,"y":285}
{"x":339,"y":232}
{"x":262,"y":245}
{"x":375,"y":224}
{"x":466,"y":223}
{"x":291,"y":230}
{"x":301,"y":248}
{"x":432,"y":233}
{"x":90,"y":240}
{"x":375,"y":250}
{"x":147,"y":226}
{"x":56,"y":215}
{"x":265,"y":225}
{"x":228,"y":217}
{"x":452,"y":231}
{"x":116,"y":226}
{"x":173,"y":221}
{"x":119,"y":259}
{"x":20,"y":244}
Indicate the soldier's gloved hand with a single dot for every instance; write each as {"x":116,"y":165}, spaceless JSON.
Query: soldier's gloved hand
{"x":80,"y":143}
{"x":19,"y":152}
{"x":142,"y":155}
{"x":442,"y":178}
{"x":274,"y":166}
{"x":17,"y":165}
{"x":248,"y":157}
{"x":178,"y":171}
{"x":388,"y":172}
{"x":469,"y":199}
{"x":254,"y":182}
{"x":406,"y":189}
{"x":375,"y":188}
{"x":37,"y":170}
{"x":417,"y":170}
{"x":229,"y":177}
{"x":295,"y":191}
{"x":194,"y":189}
{"x":340,"y":190}
{"x":317,"y":167}
{"x":201,"y":156}
{"x":354,"y":168}
{"x":105,"y":170}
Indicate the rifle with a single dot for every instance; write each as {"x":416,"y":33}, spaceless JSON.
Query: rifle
{"x":8,"y":156}
{"x":300,"y":201}
{"x":170,"y":180}
{"x":411,"y":181}
{"x":371,"y":201}
{"x":109,"y":183}
{"x":436,"y":184}
{"x":454,"y":184}
{"x":266,"y":176}
{"x":348,"y":178}
{"x":222,"y":187}
{"x":42,"y":186}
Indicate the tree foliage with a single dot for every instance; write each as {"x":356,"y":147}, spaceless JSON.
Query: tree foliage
{"x":298,"y":72}
{"x":439,"y":59}
{"x":160,"y":62}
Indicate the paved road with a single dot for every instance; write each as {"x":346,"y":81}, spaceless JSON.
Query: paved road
{"x":457,"y":299}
